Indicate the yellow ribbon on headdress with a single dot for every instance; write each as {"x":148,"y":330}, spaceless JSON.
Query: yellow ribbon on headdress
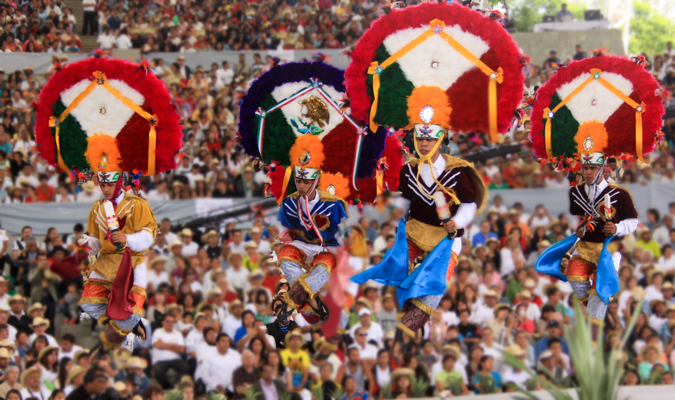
{"x":596,"y":76}
{"x":436,"y":28}
{"x":100,"y":80}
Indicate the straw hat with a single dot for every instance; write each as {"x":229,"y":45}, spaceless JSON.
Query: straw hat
{"x":197,"y":316}
{"x":16,"y":297}
{"x":450,"y":349}
{"x":292,"y":335}
{"x":135,"y":362}
{"x":654,"y":303}
{"x":666,"y":285}
{"x":365,"y":302}
{"x":40,"y":321}
{"x":89,"y":187}
{"x":175,"y":243}
{"x":186,"y":232}
{"x":638,"y":292}
{"x":158,"y":259}
{"x":216,"y":272}
{"x":529,"y":283}
{"x":34,"y":369}
{"x":525,"y":294}
{"x":515,"y":350}
{"x":235,"y":302}
{"x":501,"y":306}
{"x":172,"y":307}
{"x":80,"y":353}
{"x":46,"y":350}
{"x":214,"y":292}
{"x":490,"y":293}
{"x":210,"y":233}
{"x":656,"y":271}
{"x":9,"y":344}
{"x":401,"y":371}
{"x":651,"y":346}
{"x":251,"y":245}
{"x":233,"y":254}
{"x":5,"y":353}
{"x":73,"y":373}
{"x":545,"y":354}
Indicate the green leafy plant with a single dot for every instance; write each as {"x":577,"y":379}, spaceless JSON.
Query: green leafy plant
{"x":487,"y":384}
{"x":284,"y":395}
{"x":216,"y":396}
{"x":453,"y":385}
{"x":420,"y":387}
{"x":175,"y":394}
{"x":250,"y":395}
{"x":317,"y":391}
{"x":337,"y":393}
{"x":597,"y":379}
{"x":385,"y":392}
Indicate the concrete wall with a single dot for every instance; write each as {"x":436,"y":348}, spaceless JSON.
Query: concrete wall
{"x":538,"y":44}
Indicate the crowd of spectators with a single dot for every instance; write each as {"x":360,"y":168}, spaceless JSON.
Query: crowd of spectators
{"x":211,"y":293}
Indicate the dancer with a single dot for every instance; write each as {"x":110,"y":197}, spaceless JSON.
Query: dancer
{"x":416,"y":69}
{"x":103,"y":119}
{"x":592,"y":110}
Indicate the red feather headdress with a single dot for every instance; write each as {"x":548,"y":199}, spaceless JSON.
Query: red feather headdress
{"x":95,"y":103}
{"x":602,"y":104}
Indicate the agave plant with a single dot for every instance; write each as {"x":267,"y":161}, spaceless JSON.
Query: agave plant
{"x":250,"y":395}
{"x":284,"y":396}
{"x":385,"y":392}
{"x":175,"y":394}
{"x":337,"y":393}
{"x":597,"y":379}
{"x":215,"y":396}
{"x":420,"y":387}
{"x":317,"y":391}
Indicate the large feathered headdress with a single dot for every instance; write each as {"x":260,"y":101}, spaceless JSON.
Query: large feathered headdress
{"x":436,"y":65}
{"x":107,"y":116}
{"x":601,"y":105}
{"x":293,"y":117}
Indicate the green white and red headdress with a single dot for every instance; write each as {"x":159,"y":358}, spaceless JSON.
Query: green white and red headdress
{"x":107,"y":117}
{"x":600,"y":107}
{"x":436,"y":66}
{"x":295,"y":119}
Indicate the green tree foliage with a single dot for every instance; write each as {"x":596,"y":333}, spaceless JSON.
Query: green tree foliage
{"x":649,"y":29}
{"x":526,"y":13}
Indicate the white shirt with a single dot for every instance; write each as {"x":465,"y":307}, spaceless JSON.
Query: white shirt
{"x":4,"y":299}
{"x":369,"y":351}
{"x":203,"y":351}
{"x":50,"y":339}
{"x":656,"y":322}
{"x":482,"y":315}
{"x":217,"y":369}
{"x":105,"y":41}
{"x":70,"y":354}
{"x":519,"y":378}
{"x":170,"y":237}
{"x":123,"y":42}
{"x":190,"y":249}
{"x":43,"y":394}
{"x":231,"y":325}
{"x":238,"y":248}
{"x":238,"y":279}
{"x":154,"y":195}
{"x":374,"y":332}
{"x":193,"y":341}
{"x":225,"y":75}
{"x":157,"y":279}
{"x":174,"y":337}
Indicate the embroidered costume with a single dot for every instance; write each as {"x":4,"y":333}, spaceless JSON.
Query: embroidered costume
{"x":594,"y":109}
{"x":415,"y":69}
{"x":106,"y":118}
{"x":292,"y":122}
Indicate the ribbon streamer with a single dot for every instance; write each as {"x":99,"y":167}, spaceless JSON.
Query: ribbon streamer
{"x":436,"y":28}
